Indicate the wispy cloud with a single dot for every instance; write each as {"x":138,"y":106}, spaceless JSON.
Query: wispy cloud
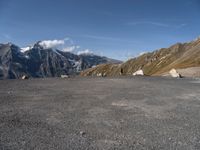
{"x":7,"y":36}
{"x":85,"y":52}
{"x":71,"y":48}
{"x":148,"y":23}
{"x":66,"y":44}
{"x":159,"y":24}
{"x":100,"y":37}
{"x":141,"y":53}
{"x":105,"y":38}
{"x":181,"y":25}
{"x":106,"y":13}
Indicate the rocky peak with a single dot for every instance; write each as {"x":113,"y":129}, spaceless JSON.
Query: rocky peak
{"x":37,"y":45}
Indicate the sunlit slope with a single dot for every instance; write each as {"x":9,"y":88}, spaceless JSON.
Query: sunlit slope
{"x":178,"y":56}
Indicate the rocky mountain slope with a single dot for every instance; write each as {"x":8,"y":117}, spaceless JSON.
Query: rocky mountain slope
{"x":178,"y":56}
{"x":41,"y":62}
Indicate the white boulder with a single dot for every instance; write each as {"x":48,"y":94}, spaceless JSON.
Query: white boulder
{"x":24,"y":77}
{"x":174,"y":73}
{"x":138,"y":73}
{"x":99,"y":74}
{"x":64,"y":76}
{"x":104,"y":74}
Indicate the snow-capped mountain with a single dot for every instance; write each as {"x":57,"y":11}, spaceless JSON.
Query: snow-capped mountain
{"x":39,"y":61}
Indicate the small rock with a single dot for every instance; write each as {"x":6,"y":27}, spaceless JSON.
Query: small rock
{"x":24,"y":77}
{"x":138,"y":73}
{"x":99,"y":75}
{"x":9,"y":92}
{"x":82,"y":133}
{"x":64,"y":76}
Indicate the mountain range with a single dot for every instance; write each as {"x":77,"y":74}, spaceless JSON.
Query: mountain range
{"x":38,"y":62}
{"x":182,"y":56}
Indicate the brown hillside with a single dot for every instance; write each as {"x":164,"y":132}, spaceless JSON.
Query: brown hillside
{"x":178,"y":56}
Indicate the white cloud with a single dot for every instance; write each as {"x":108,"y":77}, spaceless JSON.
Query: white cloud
{"x":142,"y":53}
{"x":52,"y":43}
{"x":70,"y":48}
{"x":66,"y":44}
{"x":159,"y":24}
{"x":26,"y":49}
{"x":7,"y":36}
{"x":108,"y":38}
{"x":149,"y":23}
{"x":85,"y":52}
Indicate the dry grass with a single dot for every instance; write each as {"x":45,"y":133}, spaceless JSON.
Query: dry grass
{"x":158,"y":62}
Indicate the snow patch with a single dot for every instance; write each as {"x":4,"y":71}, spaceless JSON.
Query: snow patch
{"x":76,"y":64}
{"x":85,"y":52}
{"x":27,"y":57}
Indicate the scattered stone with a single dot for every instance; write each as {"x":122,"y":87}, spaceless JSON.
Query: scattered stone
{"x":9,"y":92}
{"x":24,"y":77}
{"x":138,"y":73}
{"x":64,"y":76}
{"x":82,"y":133}
{"x":99,"y":75}
{"x":174,"y":74}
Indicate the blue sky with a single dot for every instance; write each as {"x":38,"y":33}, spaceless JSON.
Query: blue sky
{"x":115,"y":28}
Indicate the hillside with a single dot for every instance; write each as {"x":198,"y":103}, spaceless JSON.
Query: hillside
{"x":178,"y":56}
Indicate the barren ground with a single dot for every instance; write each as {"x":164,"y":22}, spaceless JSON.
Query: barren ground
{"x":100,"y":113}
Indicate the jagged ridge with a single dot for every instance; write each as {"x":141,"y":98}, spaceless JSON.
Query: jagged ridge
{"x":41,"y":62}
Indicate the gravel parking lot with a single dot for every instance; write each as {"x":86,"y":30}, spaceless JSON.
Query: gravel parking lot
{"x":100,"y":113}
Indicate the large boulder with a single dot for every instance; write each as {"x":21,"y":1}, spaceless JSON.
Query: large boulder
{"x":174,"y":73}
{"x":138,"y":73}
{"x":24,"y":77}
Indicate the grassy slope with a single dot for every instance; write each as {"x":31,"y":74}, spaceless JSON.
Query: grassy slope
{"x":177,"y":56}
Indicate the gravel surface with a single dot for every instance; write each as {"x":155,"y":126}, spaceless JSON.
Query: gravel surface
{"x":100,"y":113}
{"x":190,"y":72}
